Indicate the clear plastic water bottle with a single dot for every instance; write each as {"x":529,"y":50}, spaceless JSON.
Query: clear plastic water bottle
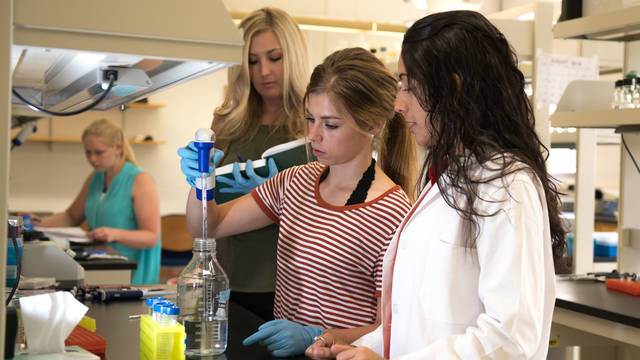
{"x":203,"y":298}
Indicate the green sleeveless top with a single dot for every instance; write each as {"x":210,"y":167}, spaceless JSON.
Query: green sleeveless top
{"x":249,"y":259}
{"x":115,"y":209}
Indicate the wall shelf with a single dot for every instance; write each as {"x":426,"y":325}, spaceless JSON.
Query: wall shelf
{"x":618,"y":25}
{"x":77,"y":140}
{"x":567,"y":139}
{"x":143,"y":105}
{"x":596,"y":118}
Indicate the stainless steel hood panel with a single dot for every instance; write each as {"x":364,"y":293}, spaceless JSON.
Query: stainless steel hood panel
{"x":60,"y":47}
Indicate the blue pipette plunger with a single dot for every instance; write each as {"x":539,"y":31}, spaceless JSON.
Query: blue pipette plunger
{"x":205,"y":139}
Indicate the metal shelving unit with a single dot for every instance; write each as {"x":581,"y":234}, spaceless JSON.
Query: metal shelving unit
{"x":596,"y":118}
{"x":619,"y":25}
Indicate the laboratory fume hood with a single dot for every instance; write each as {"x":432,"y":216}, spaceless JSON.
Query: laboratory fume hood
{"x":64,"y":53}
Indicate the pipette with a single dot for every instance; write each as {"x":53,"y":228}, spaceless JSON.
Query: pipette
{"x":205,"y":138}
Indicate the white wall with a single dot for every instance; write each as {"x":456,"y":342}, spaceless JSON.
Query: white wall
{"x":608,"y":168}
{"x":562,"y":165}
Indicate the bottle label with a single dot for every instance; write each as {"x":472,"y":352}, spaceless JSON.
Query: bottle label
{"x":225,"y":294}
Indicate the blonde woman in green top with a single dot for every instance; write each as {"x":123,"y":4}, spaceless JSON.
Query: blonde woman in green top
{"x":262,"y":108}
{"x":119,"y":201}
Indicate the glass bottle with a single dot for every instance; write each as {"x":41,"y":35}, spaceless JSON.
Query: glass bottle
{"x":203,"y":295}
{"x":635,"y":93}
{"x":627,"y":93}
{"x":617,"y":95}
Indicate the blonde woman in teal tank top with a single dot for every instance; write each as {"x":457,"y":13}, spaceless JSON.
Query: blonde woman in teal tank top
{"x":115,"y":209}
{"x":119,"y":201}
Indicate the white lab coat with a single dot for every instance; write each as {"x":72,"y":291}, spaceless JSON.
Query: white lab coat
{"x":492,"y":301}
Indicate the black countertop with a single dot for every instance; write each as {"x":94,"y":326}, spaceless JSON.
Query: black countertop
{"x":593,"y":298}
{"x":103,"y":264}
{"x":123,"y":335}
{"x":108,"y":264}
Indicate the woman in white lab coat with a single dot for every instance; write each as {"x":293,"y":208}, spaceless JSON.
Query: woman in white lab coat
{"x":470,"y":272}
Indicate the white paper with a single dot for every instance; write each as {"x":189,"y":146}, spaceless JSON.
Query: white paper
{"x":49,"y":319}
{"x":554,"y":72}
{"x":75,"y":234}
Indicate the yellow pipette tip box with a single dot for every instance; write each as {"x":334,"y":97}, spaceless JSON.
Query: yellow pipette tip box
{"x":161,"y":342}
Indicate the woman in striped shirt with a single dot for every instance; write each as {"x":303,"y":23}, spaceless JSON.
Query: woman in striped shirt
{"x":336,"y":215}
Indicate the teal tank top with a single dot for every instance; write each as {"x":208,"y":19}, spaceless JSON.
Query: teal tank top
{"x":115,"y":209}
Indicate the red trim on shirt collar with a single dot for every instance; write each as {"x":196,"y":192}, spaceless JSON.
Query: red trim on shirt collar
{"x":433,"y":174}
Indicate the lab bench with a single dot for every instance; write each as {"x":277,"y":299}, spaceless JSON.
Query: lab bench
{"x":106,"y":271}
{"x":589,"y":315}
{"x":123,"y":335}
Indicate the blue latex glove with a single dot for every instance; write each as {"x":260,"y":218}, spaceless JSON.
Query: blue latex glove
{"x":189,"y":162}
{"x":244,"y":185}
{"x":283,"y":337}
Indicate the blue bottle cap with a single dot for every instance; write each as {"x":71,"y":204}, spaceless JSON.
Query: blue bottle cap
{"x":157,"y":307}
{"x":171,"y":310}
{"x":152,"y":300}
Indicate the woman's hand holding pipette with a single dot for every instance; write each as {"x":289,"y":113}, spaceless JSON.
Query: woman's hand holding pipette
{"x":189,"y":162}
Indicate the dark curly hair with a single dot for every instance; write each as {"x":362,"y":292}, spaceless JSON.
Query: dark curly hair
{"x":464,"y":74}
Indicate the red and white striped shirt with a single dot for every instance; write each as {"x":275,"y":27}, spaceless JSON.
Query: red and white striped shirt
{"x":329,"y":257}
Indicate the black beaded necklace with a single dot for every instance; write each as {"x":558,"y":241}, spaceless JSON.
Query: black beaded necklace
{"x":359,"y":194}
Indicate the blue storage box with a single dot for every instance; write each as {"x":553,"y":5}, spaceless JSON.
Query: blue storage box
{"x":605,"y":244}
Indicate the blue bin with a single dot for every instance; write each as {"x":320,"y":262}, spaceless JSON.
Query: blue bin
{"x":604,"y":245}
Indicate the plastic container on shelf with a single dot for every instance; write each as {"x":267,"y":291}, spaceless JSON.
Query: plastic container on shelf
{"x":635,"y":94}
{"x":626,"y":101}
{"x":161,"y":342}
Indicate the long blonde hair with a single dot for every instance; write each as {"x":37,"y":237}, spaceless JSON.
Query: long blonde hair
{"x":357,"y":82}
{"x":111,"y":134}
{"x":239,"y":114}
